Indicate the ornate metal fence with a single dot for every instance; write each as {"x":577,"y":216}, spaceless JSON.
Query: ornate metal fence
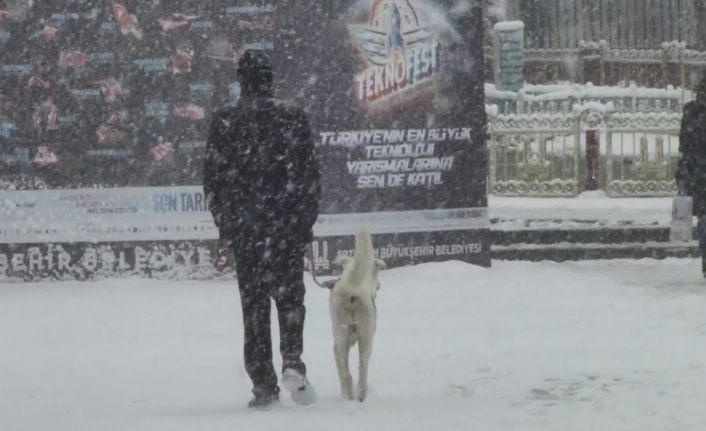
{"x":642,"y":151}
{"x":545,"y":155}
{"x":534,"y":155}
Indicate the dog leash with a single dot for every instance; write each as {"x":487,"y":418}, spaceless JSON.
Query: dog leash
{"x":328,"y":284}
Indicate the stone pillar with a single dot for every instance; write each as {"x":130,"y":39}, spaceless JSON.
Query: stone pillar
{"x":509,"y":47}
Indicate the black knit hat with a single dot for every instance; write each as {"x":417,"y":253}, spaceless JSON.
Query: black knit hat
{"x":255,"y":69}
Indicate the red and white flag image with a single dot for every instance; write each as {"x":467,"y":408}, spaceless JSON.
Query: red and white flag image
{"x":127,"y":22}
{"x":182,"y":60}
{"x":45,"y":116}
{"x":190,"y":111}
{"x":161,"y":150}
{"x":50,"y":33}
{"x":72,"y":60}
{"x":176,"y":21}
{"x":108,"y":132}
{"x":45,"y":156}
{"x":37,"y":81}
{"x":109,"y":135}
{"x":111,"y":89}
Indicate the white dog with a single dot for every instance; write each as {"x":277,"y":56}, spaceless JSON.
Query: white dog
{"x":353,"y":312}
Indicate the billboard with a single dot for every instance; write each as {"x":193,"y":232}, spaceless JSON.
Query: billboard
{"x":394,"y":89}
{"x":118,"y":95}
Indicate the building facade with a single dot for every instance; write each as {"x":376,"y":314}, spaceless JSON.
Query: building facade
{"x":623,"y":24}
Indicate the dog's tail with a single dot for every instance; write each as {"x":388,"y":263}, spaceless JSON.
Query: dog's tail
{"x":363,"y":255}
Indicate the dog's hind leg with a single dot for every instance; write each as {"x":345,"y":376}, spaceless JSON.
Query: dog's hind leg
{"x":365,"y":349}
{"x":341,"y":350}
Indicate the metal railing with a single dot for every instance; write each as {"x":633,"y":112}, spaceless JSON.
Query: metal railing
{"x":551,"y":154}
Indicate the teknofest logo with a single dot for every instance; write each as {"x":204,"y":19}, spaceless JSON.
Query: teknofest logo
{"x":398,"y":47}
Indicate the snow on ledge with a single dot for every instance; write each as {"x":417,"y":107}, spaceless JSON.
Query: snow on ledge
{"x":548,"y":92}
{"x":509,"y":26}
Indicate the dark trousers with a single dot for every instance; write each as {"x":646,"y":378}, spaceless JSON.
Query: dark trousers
{"x":269,"y":272}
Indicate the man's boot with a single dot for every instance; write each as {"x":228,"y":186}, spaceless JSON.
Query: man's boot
{"x":302,"y":391}
{"x":264,"y":398}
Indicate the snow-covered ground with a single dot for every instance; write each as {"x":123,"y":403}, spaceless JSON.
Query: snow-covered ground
{"x":589,"y":210}
{"x":616,"y":345}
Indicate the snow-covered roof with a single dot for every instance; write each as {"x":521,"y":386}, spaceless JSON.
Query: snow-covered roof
{"x":509,"y":26}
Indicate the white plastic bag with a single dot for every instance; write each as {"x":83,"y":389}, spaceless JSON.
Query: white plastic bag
{"x":680,"y":228}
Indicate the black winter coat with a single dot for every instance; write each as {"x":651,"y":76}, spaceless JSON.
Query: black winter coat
{"x":691,"y":171}
{"x":261,"y":178}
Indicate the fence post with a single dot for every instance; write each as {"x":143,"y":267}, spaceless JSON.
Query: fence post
{"x":593,"y":154}
{"x":609,"y":151}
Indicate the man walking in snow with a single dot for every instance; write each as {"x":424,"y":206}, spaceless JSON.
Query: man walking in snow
{"x":261,"y":182}
{"x":691,"y":171}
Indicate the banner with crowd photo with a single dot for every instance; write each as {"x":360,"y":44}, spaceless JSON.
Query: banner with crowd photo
{"x":117,"y":93}
{"x":101,"y":101}
{"x":394,"y":89}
